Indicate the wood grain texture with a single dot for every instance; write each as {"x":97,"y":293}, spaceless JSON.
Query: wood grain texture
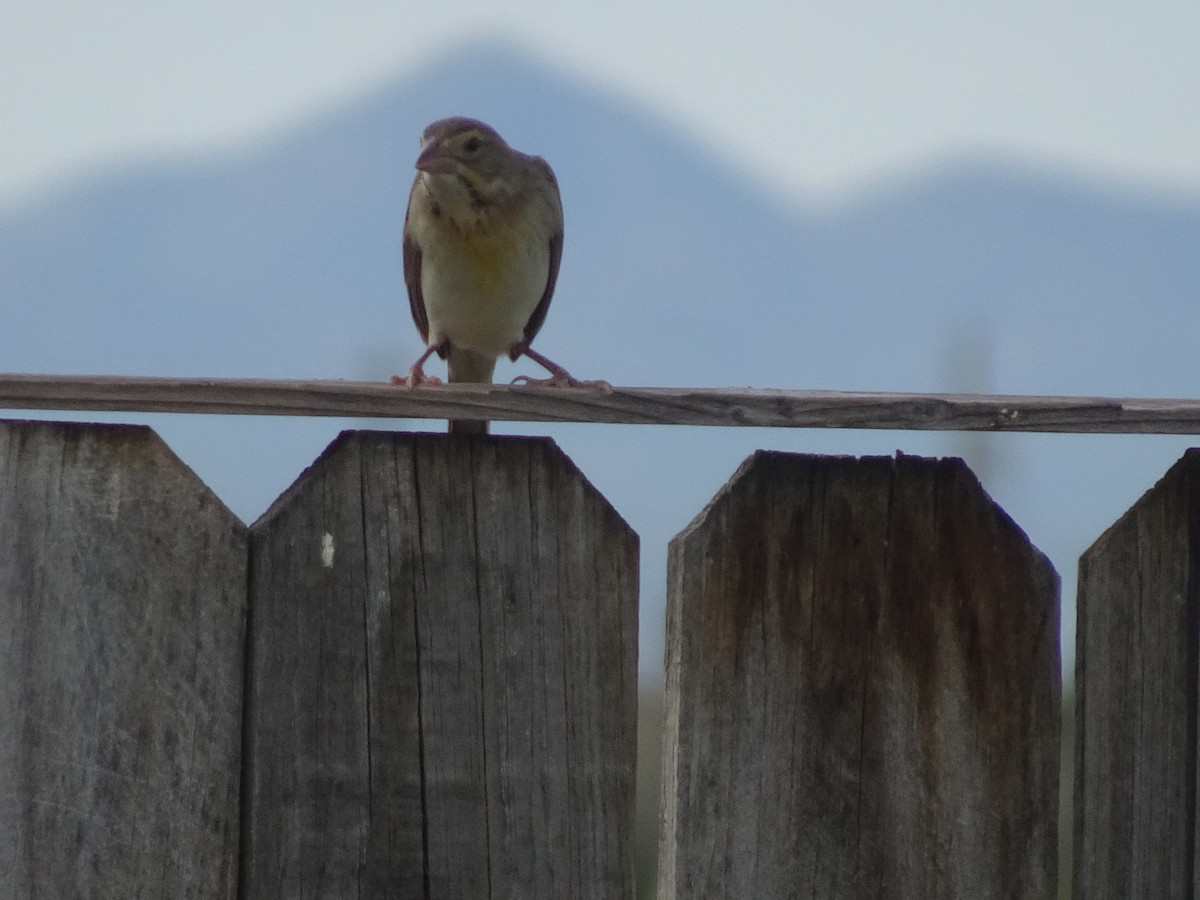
{"x":443,"y":677}
{"x":122,"y":620}
{"x":1136,"y":670}
{"x":862,"y":689}
{"x":739,"y":407}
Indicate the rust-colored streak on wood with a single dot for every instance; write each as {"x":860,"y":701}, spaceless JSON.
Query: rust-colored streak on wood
{"x":862,"y":688}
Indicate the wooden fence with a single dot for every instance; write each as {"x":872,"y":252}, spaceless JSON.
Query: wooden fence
{"x":415,"y":677}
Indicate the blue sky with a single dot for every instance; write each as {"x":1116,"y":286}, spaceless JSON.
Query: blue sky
{"x":814,"y":98}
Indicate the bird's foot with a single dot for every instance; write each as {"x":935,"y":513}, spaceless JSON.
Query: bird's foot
{"x":416,"y":376}
{"x":416,"y":373}
{"x":561,"y":379}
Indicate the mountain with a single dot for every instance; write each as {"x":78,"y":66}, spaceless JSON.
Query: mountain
{"x":282,"y":260}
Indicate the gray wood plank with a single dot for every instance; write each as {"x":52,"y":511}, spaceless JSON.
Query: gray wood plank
{"x":122,"y":621}
{"x":730,"y":407}
{"x":1136,"y":666}
{"x":443,"y":676}
{"x":862,"y":689}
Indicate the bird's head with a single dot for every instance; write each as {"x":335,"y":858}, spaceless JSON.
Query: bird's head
{"x":461,"y":154}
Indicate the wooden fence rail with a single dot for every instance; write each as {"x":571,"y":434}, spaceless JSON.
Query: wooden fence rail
{"x":415,"y":676}
{"x":736,"y":407}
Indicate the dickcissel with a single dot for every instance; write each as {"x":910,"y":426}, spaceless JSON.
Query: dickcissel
{"x":482,"y":242}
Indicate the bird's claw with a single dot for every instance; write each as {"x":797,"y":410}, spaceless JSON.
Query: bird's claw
{"x":414,"y":378}
{"x":553,"y":381}
{"x":561,"y":380}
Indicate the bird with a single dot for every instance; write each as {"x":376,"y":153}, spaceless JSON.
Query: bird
{"x":483,"y":239}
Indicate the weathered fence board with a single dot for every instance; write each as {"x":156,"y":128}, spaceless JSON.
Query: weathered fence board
{"x":122,"y":618}
{"x":1136,"y":670}
{"x":442,"y":698}
{"x":862,"y":689}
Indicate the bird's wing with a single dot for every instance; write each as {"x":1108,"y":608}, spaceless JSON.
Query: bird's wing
{"x":556,"y":245}
{"x":539,"y":312}
{"x":412,"y":280}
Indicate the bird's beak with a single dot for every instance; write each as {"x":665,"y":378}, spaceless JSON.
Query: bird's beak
{"x":435,"y":160}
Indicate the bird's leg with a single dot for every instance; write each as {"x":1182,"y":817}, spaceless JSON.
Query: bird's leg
{"x":559,"y":377}
{"x":416,"y":374}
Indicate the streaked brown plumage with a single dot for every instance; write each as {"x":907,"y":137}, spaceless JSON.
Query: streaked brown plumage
{"x":483,"y":239}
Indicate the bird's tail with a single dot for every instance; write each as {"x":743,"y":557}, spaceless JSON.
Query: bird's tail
{"x":469,"y":367}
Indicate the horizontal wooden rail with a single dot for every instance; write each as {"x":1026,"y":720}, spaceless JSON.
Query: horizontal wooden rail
{"x":619,"y":405}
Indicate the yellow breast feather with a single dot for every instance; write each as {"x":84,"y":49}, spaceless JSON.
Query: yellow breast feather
{"x":490,"y":256}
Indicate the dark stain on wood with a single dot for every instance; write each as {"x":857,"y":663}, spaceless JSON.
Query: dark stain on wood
{"x":1137,"y":667}
{"x":882,"y":642}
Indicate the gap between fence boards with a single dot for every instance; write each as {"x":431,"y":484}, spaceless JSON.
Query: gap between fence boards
{"x":744,"y":407}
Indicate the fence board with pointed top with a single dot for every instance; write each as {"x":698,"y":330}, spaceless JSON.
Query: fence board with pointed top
{"x":862,"y":689}
{"x":442,"y":695}
{"x":122,"y":620}
{"x":1137,"y":698}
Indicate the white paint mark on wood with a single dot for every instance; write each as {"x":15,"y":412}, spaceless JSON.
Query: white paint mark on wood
{"x":113,"y":510}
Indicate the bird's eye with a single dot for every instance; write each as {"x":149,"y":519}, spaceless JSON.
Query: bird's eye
{"x":472,"y":144}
